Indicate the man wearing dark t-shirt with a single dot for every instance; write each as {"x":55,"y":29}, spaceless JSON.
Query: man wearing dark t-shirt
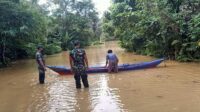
{"x":41,"y":64}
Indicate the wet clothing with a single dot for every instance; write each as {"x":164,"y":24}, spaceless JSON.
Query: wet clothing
{"x":111,"y":57}
{"x":112,"y":66}
{"x":39,"y":57}
{"x":84,"y":80}
{"x":112,"y":62}
{"x":41,"y":77}
{"x":79,"y":68}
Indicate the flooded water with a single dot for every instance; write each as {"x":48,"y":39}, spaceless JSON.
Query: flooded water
{"x":174,"y":88}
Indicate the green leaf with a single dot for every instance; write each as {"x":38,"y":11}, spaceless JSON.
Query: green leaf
{"x":175,"y":42}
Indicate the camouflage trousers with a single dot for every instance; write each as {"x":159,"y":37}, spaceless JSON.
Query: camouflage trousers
{"x":80,"y":74}
{"x":79,"y":70}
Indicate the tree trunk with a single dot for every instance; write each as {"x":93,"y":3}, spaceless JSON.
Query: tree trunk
{"x":2,"y":52}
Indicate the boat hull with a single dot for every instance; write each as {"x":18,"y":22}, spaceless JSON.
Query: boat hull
{"x":63,"y":70}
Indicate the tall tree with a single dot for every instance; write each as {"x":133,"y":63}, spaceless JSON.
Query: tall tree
{"x":162,"y":28}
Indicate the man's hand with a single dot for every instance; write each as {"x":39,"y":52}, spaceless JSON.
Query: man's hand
{"x":71,"y":70}
{"x":86,"y":67}
{"x":44,"y":68}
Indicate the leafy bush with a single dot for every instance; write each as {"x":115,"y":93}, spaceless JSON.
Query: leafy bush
{"x":52,"y":49}
{"x":21,"y":26}
{"x":157,"y":28}
{"x":97,"y":43}
{"x":31,"y":49}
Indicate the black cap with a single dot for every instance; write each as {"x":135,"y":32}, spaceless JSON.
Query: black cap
{"x":39,"y":46}
{"x":76,"y":42}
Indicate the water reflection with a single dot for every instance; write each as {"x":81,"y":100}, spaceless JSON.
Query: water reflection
{"x":62,"y":97}
{"x":104,"y":98}
{"x":56,"y":95}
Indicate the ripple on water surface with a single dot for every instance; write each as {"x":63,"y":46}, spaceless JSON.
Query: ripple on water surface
{"x":62,"y":96}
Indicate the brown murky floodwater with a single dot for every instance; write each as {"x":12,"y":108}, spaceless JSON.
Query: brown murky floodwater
{"x":175,"y":88}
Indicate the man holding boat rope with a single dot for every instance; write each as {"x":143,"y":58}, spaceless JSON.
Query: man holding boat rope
{"x":41,"y":63}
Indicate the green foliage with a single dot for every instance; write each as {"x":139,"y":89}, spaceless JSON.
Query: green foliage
{"x":52,"y":49}
{"x":76,"y":22}
{"x":25,"y":24}
{"x":194,"y":27}
{"x":30,"y":49}
{"x":97,"y":43}
{"x":161,"y":28}
{"x":21,"y":27}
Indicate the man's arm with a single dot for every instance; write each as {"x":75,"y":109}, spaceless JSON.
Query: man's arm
{"x":106,"y":61}
{"x":117,"y":59}
{"x":40,"y":60}
{"x":71,"y":61}
{"x":42,"y":63}
{"x":86,"y":60}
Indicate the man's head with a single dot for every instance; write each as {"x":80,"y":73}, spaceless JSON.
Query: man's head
{"x":110,"y":51}
{"x":76,"y":44}
{"x":40,"y":48}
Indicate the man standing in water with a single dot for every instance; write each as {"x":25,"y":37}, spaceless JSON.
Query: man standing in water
{"x":41,"y":64}
{"x":79,"y":65}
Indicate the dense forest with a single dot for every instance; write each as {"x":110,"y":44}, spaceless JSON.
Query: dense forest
{"x":24,"y":24}
{"x":160,"y":28}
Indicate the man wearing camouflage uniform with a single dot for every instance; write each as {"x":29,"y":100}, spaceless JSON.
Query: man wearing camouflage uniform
{"x":79,"y":65}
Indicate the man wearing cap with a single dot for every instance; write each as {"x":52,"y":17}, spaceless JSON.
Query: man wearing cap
{"x":41,"y":64}
{"x":79,"y":65}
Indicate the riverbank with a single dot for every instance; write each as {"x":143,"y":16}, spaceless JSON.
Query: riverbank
{"x":49,"y":50}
